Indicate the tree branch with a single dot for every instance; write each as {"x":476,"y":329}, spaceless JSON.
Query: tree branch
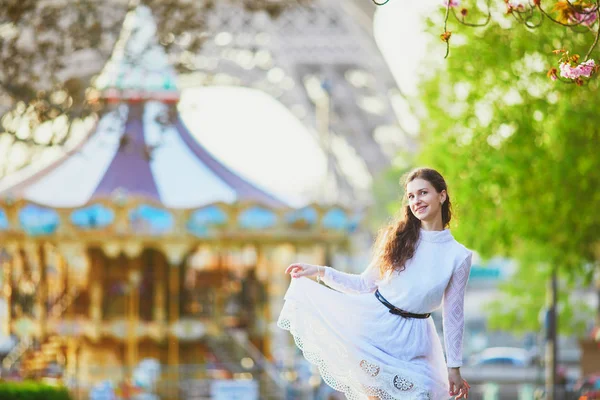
{"x":597,"y":36}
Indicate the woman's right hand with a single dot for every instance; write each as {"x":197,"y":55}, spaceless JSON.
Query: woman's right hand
{"x":298,"y":270}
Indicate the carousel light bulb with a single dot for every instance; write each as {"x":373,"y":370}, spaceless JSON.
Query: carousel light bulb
{"x":247,"y":362}
{"x":135,"y":277}
{"x":119,"y":197}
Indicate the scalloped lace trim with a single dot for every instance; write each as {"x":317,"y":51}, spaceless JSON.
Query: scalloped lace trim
{"x":385,"y":386}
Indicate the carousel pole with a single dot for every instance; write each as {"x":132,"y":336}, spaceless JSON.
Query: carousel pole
{"x":133,"y":251}
{"x":174,"y":304}
{"x":262,"y":274}
{"x":14,"y":311}
{"x":173,"y":341}
{"x":31,"y":258}
{"x":175,"y":254}
{"x":7,"y":292}
{"x":96,"y":291}
{"x":159,"y":314}
{"x":12,"y":216}
{"x":223,"y":265}
{"x":42,"y":294}
{"x":71,"y":362}
{"x":130,"y":353}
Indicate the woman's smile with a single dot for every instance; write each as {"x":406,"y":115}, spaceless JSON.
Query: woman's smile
{"x":420,"y":209}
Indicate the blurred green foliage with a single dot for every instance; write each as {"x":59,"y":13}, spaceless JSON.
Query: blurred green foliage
{"x":520,"y":154}
{"x":32,"y":391}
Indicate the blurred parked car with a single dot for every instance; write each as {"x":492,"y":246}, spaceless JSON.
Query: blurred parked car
{"x":510,"y":356}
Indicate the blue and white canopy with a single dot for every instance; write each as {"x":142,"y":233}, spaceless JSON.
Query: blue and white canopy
{"x":131,"y":153}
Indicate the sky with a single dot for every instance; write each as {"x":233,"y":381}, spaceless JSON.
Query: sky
{"x":399,"y":31}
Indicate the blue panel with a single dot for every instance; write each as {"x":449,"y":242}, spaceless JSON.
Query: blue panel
{"x":198,"y":230}
{"x":485,"y":273}
{"x":37,"y":221}
{"x":150,"y":220}
{"x":257,"y":218}
{"x":3,"y":220}
{"x":202,"y":220}
{"x":302,"y":218}
{"x":336,"y":219}
{"x":211,"y":215}
{"x":354,"y":222}
{"x":93,"y":217}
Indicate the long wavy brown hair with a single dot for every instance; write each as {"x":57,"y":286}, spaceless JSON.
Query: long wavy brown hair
{"x":397,"y":242}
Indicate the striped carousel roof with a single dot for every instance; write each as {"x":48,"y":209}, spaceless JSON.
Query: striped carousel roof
{"x":133,"y":151}
{"x":130,"y":153}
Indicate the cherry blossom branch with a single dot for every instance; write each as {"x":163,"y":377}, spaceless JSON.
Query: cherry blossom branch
{"x":573,"y":15}
{"x":551,"y":18}
{"x":587,"y":56}
{"x":471,"y":24}
{"x":446,"y":35}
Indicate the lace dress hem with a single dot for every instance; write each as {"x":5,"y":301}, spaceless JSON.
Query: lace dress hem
{"x":374,"y":381}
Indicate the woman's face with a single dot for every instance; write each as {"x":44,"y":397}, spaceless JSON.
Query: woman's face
{"x":424,"y":201}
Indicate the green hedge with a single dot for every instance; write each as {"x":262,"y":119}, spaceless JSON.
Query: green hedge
{"x":31,"y":391}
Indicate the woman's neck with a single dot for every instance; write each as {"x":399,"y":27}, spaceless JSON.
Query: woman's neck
{"x":435,"y":225}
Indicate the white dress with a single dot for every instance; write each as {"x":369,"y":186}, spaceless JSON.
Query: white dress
{"x":362,"y":349}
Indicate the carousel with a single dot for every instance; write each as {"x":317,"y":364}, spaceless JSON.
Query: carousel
{"x":139,"y":244}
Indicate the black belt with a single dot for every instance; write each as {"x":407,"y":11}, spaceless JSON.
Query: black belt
{"x":397,"y":311}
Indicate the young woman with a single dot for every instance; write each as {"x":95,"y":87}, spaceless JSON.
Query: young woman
{"x":372,"y":337}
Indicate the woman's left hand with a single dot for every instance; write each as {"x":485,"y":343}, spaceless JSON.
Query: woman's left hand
{"x":458,"y":386}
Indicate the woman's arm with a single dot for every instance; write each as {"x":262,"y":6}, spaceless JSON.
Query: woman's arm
{"x":352,"y":283}
{"x":340,"y":281}
{"x":453,"y":313}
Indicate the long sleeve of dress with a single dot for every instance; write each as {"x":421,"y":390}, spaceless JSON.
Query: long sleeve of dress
{"x":453,"y":313}
{"x":365,"y":282}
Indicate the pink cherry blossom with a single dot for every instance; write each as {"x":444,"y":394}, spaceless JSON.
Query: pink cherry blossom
{"x":584,"y":69}
{"x":587,"y":17}
{"x":453,"y":3}
{"x":566,"y":71}
{"x":587,"y":68}
{"x":516,"y":4}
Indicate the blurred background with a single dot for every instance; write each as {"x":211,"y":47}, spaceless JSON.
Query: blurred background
{"x":163,"y":161}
